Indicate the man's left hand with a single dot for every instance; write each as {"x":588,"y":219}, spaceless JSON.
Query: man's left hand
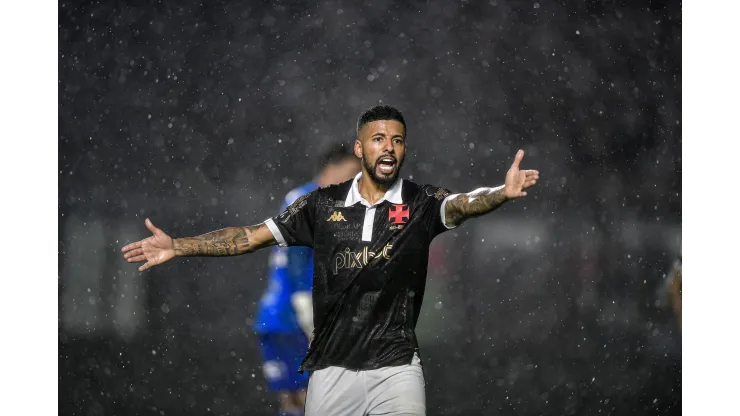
{"x":517,"y":181}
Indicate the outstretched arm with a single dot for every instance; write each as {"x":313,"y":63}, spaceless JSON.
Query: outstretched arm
{"x":483,"y":200}
{"x":232,"y":241}
{"x":473,"y":204}
{"x":160,"y":247}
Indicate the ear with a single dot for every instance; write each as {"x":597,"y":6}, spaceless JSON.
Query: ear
{"x":358,"y":148}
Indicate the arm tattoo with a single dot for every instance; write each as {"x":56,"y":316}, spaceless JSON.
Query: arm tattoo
{"x":226,"y":242}
{"x":473,"y":204}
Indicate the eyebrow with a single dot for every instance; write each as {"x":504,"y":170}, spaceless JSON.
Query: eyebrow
{"x":380,"y":133}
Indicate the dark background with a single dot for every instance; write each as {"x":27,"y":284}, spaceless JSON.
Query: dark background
{"x":201,"y":116}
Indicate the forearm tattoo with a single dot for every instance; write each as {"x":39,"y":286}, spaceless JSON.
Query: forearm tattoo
{"x":226,"y":242}
{"x":473,"y":204}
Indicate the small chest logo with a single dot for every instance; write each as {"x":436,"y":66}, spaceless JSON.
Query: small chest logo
{"x":336,"y":216}
{"x":399,"y":214}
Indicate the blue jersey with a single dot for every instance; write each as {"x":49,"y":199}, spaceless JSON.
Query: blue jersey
{"x":290,"y":271}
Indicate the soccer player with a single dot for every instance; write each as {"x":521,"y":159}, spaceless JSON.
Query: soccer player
{"x":370,"y":237}
{"x":285,"y":316}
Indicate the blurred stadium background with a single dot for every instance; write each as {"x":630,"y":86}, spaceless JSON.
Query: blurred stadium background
{"x":201,"y":116}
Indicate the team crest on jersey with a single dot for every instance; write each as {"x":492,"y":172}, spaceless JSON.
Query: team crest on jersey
{"x":399,"y":214}
{"x":336,"y":216}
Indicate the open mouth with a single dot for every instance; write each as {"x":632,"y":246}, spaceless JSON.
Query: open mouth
{"x":386,"y":165}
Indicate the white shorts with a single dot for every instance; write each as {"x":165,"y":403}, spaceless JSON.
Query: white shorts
{"x":390,"y":391}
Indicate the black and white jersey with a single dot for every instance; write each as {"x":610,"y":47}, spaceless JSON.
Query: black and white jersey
{"x":370,"y":266}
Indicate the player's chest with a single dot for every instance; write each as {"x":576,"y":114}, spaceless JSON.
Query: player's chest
{"x":360,"y":223}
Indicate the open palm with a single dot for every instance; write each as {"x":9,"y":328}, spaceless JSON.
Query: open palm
{"x":517,"y":180}
{"x":154,"y":250}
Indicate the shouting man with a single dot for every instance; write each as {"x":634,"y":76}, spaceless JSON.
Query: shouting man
{"x":370,"y":237}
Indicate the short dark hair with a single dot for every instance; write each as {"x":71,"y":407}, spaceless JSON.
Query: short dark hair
{"x":380,"y":112}
{"x":336,"y":153}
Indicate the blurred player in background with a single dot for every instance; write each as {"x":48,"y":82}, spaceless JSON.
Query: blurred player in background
{"x":284,"y":319}
{"x":674,"y":289}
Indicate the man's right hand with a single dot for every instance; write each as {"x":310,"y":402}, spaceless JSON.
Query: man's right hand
{"x":154,"y":250}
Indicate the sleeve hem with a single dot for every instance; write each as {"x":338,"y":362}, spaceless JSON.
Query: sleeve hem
{"x":270,"y":223}
{"x":442,"y":212}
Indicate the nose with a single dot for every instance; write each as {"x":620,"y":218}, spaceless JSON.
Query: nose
{"x":388,"y":146}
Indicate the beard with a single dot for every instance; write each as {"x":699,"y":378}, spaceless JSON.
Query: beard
{"x":382,"y":180}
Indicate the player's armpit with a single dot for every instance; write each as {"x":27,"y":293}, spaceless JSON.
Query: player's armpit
{"x":232,"y":241}
{"x":472,"y":204}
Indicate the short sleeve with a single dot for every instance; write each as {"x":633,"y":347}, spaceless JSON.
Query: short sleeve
{"x":434,"y":200}
{"x":295,"y":226}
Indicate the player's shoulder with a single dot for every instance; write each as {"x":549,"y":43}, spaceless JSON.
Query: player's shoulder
{"x":335,"y":194}
{"x":413,"y":191}
{"x":298,"y":192}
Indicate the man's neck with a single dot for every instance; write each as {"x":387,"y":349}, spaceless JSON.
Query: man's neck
{"x":371,"y":190}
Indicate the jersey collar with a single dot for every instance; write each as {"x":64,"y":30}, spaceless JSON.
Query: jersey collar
{"x":392,"y":195}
